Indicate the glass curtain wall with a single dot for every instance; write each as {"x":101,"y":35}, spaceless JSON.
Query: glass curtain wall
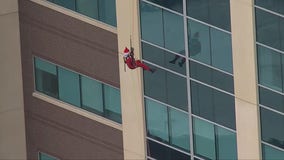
{"x":270,"y":56}
{"x":189,"y":99}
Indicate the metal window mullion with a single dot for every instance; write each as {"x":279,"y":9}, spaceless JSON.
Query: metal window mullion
{"x":103,"y":98}
{"x":80,"y":91}
{"x":169,"y":125}
{"x":190,"y":118}
{"x":57,"y":77}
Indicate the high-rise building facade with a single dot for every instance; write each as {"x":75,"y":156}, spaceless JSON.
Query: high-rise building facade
{"x":216,"y":91}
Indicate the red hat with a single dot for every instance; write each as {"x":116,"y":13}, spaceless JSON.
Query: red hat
{"x":126,"y":52}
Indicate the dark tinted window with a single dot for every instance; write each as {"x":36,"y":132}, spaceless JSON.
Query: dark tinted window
{"x":214,"y":12}
{"x":213,"y":105}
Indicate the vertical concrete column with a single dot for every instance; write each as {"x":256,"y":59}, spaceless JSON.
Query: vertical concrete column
{"x":131,"y":81}
{"x":12,"y":124}
{"x":245,"y":79}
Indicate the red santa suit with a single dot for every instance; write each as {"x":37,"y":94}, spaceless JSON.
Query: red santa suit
{"x":132,"y":63}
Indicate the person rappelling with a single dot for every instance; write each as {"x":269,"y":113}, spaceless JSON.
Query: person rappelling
{"x":130,"y":61}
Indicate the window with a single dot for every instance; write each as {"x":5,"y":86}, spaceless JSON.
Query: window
{"x":269,"y":29}
{"x":213,"y":142}
{"x":210,"y":46}
{"x":272,"y":128}
{"x":213,"y":105}
{"x":214,"y":12}
{"x":92,"y":95}
{"x":69,"y":90}
{"x":78,"y":90}
{"x":270,"y":153}
{"x":107,"y":11}
{"x":166,"y":87}
{"x":44,"y":156}
{"x":212,"y":77}
{"x":46,"y":78}
{"x":167,"y":125}
{"x":269,"y":68}
{"x":164,"y":58}
{"x":271,"y":99}
{"x":102,"y":10}
{"x":112,"y":103}
{"x":157,"y":121}
{"x":88,"y":8}
{"x":179,"y":131}
{"x":273,"y":5}
{"x":162,"y":28}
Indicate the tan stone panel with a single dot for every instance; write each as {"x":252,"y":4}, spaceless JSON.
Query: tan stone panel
{"x":248,"y":130}
{"x":244,"y":51}
{"x":8,"y":6}
{"x":12,"y":135}
{"x":11,"y":94}
{"x":131,"y":82}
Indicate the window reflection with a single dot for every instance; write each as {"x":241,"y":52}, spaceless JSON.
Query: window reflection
{"x":272,"y":128}
{"x":166,"y":87}
{"x":210,"y":46}
{"x":162,"y":27}
{"x":214,"y":12}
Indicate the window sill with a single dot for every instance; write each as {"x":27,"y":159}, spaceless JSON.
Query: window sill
{"x":77,"y":110}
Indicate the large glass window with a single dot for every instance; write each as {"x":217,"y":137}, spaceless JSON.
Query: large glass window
{"x":179,"y":132}
{"x":214,"y":12}
{"x":273,"y":5}
{"x":270,"y":153}
{"x":271,"y":99}
{"x":112,"y":103}
{"x":270,"y":68}
{"x":92,"y":95}
{"x":213,"y":142}
{"x":272,"y":128}
{"x":69,"y":90}
{"x":167,"y":125}
{"x":46,"y":78}
{"x":210,"y":46}
{"x":157,"y":121}
{"x":213,"y":105}
{"x":212,"y":77}
{"x":162,"y":28}
{"x":78,"y":90}
{"x":102,"y":10}
{"x":107,"y":11}
{"x":269,"y":29}
{"x":88,"y":8}
{"x":164,"y":58}
{"x":204,"y":139}
{"x":166,"y":87}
